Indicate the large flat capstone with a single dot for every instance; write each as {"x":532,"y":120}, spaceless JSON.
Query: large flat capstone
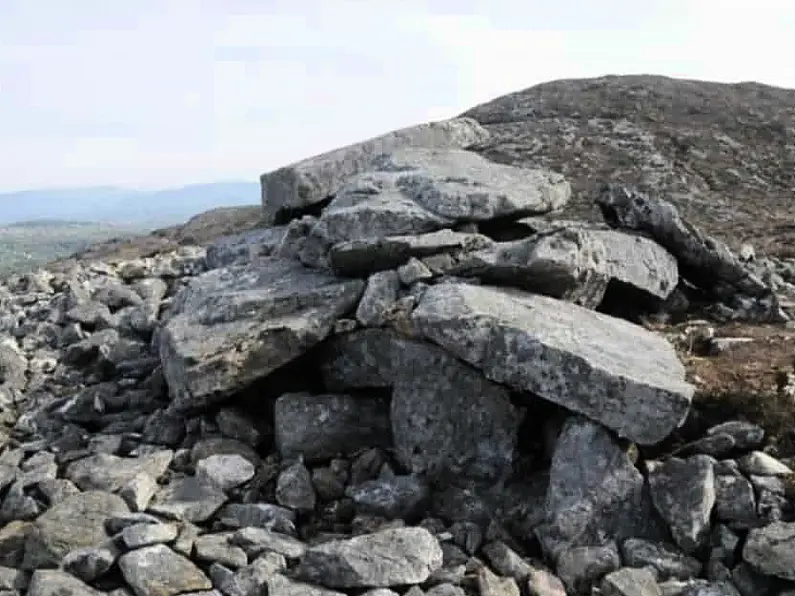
{"x":614,"y":372}
{"x":420,"y":190}
{"x":234,"y":325}
{"x":312,"y":180}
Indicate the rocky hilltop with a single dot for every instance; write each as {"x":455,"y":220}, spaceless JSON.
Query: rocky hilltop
{"x":724,"y":154}
{"x":417,"y":376}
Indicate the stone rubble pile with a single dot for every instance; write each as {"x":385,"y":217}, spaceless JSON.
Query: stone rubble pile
{"x":413,"y":385}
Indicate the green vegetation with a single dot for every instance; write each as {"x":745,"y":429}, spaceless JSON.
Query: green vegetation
{"x":30,"y":244}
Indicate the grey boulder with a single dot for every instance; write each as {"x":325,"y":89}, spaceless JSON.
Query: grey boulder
{"x":232,"y":326}
{"x":771,"y":550}
{"x":594,"y":492}
{"x":396,"y":557}
{"x":704,"y":261}
{"x":575,"y":264}
{"x":312,"y":180}
{"x":611,"y":371}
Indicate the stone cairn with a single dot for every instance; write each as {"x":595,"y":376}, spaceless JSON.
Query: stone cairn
{"x":412,"y":381}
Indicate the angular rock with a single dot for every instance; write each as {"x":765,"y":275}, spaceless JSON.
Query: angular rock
{"x":312,"y":180}
{"x":139,"y":535}
{"x":111,"y":473}
{"x":258,"y":515}
{"x":280,"y":585}
{"x":13,"y":537}
{"x":217,"y":548}
{"x":256,"y":541}
{"x":365,"y":256}
{"x":667,"y":561}
{"x":574,"y":264}
{"x":76,"y":522}
{"x":138,"y":491}
{"x":91,"y":563}
{"x":294,"y":488}
{"x":760,"y":463}
{"x":542,"y":582}
{"x":380,"y":293}
{"x":490,"y":584}
{"x":158,"y":570}
{"x":595,"y":493}
{"x":238,"y":425}
{"x":735,"y":502}
{"x":683,"y":492}
{"x":399,"y":497}
{"x":630,"y":582}
{"x":771,"y":550}
{"x":413,"y":271}
{"x":190,"y":499}
{"x":319,"y":427}
{"x":447,"y":419}
{"x":397,"y":557}
{"x":253,"y":578}
{"x":52,"y":582}
{"x":567,"y":265}
{"x":225,"y":471}
{"x":584,"y":566}
{"x":611,"y":371}
{"x":745,"y":434}
{"x":703,"y":261}
{"x":235,"y":325}
{"x":415,"y":191}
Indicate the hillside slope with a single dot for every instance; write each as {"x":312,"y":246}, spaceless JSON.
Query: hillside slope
{"x":723,"y":153}
{"x":150,"y":209}
{"x":27,"y":245}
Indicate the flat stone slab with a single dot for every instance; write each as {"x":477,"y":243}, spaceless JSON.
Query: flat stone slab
{"x":312,"y":180}
{"x":611,"y":371}
{"x":419,"y":190}
{"x":232,"y":326}
{"x":369,"y":255}
{"x":574,"y":264}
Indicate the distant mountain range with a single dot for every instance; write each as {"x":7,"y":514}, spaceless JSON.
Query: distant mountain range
{"x":119,"y":206}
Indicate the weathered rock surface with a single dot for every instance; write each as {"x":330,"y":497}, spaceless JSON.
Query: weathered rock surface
{"x":312,"y":180}
{"x":683,"y":491}
{"x":233,"y":326}
{"x":388,"y":558}
{"x":595,"y":493}
{"x":574,"y":264}
{"x":703,"y":261}
{"x":76,"y":522}
{"x":771,"y":550}
{"x":347,"y":424}
{"x":421,"y":190}
{"x":614,"y":372}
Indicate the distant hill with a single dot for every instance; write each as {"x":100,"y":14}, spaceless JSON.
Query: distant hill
{"x":119,"y":206}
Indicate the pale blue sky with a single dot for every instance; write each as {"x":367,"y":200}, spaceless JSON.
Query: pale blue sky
{"x":154,"y":93}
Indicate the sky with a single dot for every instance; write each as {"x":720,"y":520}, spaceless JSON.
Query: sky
{"x":158,"y":93}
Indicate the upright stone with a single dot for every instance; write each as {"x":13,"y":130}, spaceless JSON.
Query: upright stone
{"x":595,"y":492}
